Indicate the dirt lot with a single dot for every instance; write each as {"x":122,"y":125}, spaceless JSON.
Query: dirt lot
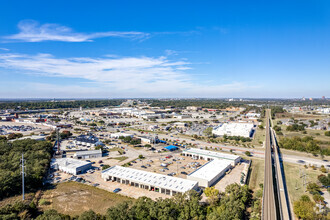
{"x":73,"y":198}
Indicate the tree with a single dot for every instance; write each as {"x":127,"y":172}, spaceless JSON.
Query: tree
{"x":318,"y":198}
{"x":261,"y":127}
{"x":212,"y":194}
{"x":327,"y":133}
{"x":323,"y":169}
{"x":208,"y":131}
{"x":247,"y":153}
{"x":50,"y":214}
{"x":89,"y":215}
{"x":313,"y":188}
{"x":304,"y":209}
{"x":12,"y":136}
{"x":232,"y":203}
{"x":37,"y":155}
{"x":324,"y":180}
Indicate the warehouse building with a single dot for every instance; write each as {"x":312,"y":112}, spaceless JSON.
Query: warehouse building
{"x":71,"y":166}
{"x":118,"y":135}
{"x":86,"y":140}
{"x":210,"y":173}
{"x":210,"y":155}
{"x":150,"y":181}
{"x":87,"y":154}
{"x":234,"y":129}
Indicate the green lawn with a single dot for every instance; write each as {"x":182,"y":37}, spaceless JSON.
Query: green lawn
{"x":259,"y":136}
{"x":257,"y":173}
{"x":294,"y":179}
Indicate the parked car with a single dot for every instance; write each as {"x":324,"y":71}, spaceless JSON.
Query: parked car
{"x":117,"y":190}
{"x":184,"y":173}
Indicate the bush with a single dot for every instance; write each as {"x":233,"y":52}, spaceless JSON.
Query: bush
{"x":106,"y":166}
{"x":43,"y":202}
{"x":327,"y":133}
{"x":323,"y":169}
{"x":313,"y":188}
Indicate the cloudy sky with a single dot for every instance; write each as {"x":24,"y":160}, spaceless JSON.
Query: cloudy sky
{"x":115,"y":49}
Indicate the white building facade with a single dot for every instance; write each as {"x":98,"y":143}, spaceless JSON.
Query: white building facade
{"x":150,"y":181}
{"x":234,"y":129}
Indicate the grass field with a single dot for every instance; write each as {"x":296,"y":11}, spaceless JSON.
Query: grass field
{"x":122,"y":158}
{"x":257,"y":173}
{"x":73,"y":198}
{"x":294,"y":179}
{"x":259,"y":136}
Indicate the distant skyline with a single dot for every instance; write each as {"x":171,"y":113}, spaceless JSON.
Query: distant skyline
{"x":164,"y":49}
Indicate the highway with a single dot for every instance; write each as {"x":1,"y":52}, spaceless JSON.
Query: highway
{"x":269,"y":211}
{"x":275,"y":204}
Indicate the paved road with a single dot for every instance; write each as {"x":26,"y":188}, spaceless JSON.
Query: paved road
{"x":268,"y":201}
{"x":259,"y":153}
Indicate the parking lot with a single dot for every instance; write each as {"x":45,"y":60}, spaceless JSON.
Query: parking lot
{"x":172,"y":164}
{"x":24,"y":128}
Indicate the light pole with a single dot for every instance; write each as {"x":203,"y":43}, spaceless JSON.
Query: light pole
{"x":23,"y":174}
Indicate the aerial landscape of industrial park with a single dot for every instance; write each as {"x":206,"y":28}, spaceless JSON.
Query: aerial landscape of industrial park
{"x":124,"y":150}
{"x":164,"y":110}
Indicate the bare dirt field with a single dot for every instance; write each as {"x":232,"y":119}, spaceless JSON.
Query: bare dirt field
{"x":73,"y":198}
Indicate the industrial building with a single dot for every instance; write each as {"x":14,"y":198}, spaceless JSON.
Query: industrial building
{"x":118,"y":135}
{"x":87,"y":154}
{"x":210,"y":155}
{"x":147,"y":180}
{"x":87,"y":140}
{"x":210,"y":173}
{"x":234,"y":129}
{"x":33,"y":137}
{"x":71,"y":166}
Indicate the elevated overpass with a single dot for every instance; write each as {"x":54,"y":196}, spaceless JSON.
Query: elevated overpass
{"x":275,"y":203}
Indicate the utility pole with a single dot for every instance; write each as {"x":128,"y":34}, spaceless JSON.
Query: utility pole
{"x":23,"y":174}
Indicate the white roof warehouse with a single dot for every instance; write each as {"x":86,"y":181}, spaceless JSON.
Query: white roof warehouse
{"x":148,"y":180}
{"x":72,"y":166}
{"x":234,"y":129}
{"x":210,"y":155}
{"x":212,"y":171}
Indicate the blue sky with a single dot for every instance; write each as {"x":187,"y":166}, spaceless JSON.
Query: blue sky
{"x":114,"y":49}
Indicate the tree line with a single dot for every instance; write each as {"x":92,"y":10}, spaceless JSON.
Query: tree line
{"x":60,"y":104}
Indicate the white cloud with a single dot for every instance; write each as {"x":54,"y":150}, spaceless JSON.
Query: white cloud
{"x":117,"y":76}
{"x":32,"y":31}
{"x":5,"y":49}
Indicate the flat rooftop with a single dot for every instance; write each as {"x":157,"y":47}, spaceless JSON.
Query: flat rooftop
{"x":149,"y":178}
{"x":217,"y":155}
{"x":69,"y":162}
{"x":211,"y":169}
{"x":88,"y":152}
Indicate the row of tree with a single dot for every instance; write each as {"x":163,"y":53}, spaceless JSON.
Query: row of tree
{"x":305,"y":144}
{"x":60,"y":104}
